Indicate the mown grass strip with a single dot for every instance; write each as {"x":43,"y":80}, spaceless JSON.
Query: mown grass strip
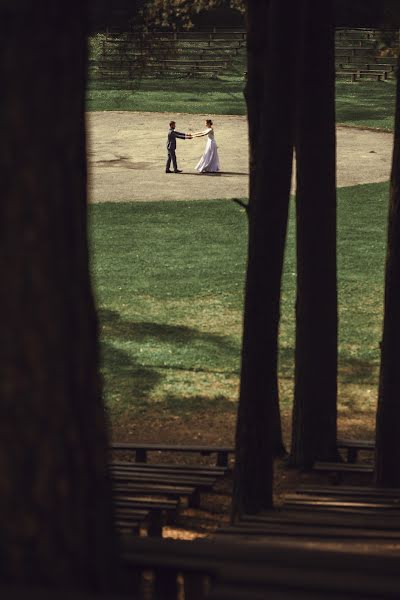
{"x":169,"y":281}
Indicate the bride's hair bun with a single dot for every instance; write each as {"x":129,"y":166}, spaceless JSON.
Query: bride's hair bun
{"x":209,"y":121}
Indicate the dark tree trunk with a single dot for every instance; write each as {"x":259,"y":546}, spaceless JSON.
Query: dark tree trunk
{"x":314,"y":412}
{"x":268,"y":213}
{"x":387,"y":459}
{"x":254,"y":93}
{"x":55,"y":502}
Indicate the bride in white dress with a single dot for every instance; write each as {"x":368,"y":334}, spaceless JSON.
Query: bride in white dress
{"x":209,"y":162}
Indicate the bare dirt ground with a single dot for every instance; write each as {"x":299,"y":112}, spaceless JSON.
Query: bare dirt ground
{"x":127,"y":154}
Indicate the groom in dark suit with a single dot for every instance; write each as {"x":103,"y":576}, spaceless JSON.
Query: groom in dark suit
{"x":171,"y":147}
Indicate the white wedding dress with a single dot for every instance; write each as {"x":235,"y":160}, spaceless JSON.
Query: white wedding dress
{"x":209,"y":162}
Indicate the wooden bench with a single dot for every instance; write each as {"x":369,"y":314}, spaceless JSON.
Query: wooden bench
{"x":320,"y":531}
{"x":274,"y":569}
{"x":338,"y":470}
{"x":340,"y":503}
{"x":296,"y":516}
{"x":201,"y":483}
{"x":171,"y":40}
{"x":353,"y":447}
{"x":352,"y":51}
{"x":338,"y":467}
{"x":177,"y":481}
{"x":377,"y":74}
{"x":349,"y":35}
{"x":157,"y":514}
{"x":385,"y":70}
{"x":168,"y":467}
{"x":186,"y":495}
{"x":352,"y":75}
{"x":350,"y":490}
{"x":356,"y":41}
{"x":136,"y":521}
{"x":141,"y":451}
{"x":166,"y":470}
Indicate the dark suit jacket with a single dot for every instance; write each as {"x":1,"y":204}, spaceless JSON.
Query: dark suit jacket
{"x":172,"y":135}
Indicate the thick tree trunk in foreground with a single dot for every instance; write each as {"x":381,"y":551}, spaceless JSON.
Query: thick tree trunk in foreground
{"x":314,"y":413}
{"x":269,"y":189}
{"x":55,"y":502}
{"x":387,"y":459}
{"x":254,"y":93}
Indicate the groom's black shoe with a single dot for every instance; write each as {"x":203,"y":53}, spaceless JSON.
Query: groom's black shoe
{"x":178,"y":171}
{"x":168,"y":171}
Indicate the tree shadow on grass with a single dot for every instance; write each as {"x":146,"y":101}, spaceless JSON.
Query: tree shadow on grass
{"x":356,"y":371}
{"x":140,"y":331}
{"x":129,"y":382}
{"x":359,"y":114}
{"x":351,"y":370}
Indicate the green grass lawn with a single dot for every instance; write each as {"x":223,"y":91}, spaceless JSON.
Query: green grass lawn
{"x":187,"y":95}
{"x":362,"y":104}
{"x":366,"y":103}
{"x":169,"y":283}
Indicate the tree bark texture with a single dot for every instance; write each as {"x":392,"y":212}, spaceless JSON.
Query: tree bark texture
{"x":388,"y":413}
{"x":56,"y":524}
{"x":254,"y":93}
{"x":314,"y":412}
{"x":272,"y":141}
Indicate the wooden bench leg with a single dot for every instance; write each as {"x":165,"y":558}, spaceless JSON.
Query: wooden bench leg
{"x":222,"y":459}
{"x":194,"y":499}
{"x":141,"y":455}
{"x":196,"y":586}
{"x":166,"y":586}
{"x":155,"y":523}
{"x":352,"y":454}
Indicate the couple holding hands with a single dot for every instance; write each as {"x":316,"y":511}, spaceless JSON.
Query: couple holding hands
{"x":208,"y":163}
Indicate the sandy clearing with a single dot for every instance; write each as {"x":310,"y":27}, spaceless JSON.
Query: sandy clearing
{"x":127,"y":154}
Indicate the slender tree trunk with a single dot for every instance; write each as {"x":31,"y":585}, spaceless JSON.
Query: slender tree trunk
{"x":55,"y":498}
{"x":387,"y":459}
{"x":314,"y":413}
{"x":254,"y":93}
{"x":269,"y":190}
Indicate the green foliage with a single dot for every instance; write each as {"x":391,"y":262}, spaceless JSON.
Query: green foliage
{"x":175,"y":13}
{"x":95,"y":45}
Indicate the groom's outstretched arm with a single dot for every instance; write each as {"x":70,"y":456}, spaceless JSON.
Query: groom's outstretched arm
{"x":180,"y":135}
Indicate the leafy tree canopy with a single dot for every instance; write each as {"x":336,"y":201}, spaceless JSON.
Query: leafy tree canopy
{"x":181,"y":12}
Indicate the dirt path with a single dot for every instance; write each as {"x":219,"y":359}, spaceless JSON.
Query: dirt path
{"x":127,"y":157}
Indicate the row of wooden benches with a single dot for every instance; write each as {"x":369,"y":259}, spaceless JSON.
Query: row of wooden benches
{"x":362,"y":520}
{"x":140,"y":451}
{"x":359,"y":74}
{"x":261,"y":567}
{"x":228,"y":570}
{"x":149,"y":496}
{"x":229,"y":35}
{"x":132,"y":43}
{"x":288,"y":553}
{"x":128,"y":70}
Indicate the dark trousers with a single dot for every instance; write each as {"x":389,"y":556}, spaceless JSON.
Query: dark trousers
{"x":171,"y":156}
